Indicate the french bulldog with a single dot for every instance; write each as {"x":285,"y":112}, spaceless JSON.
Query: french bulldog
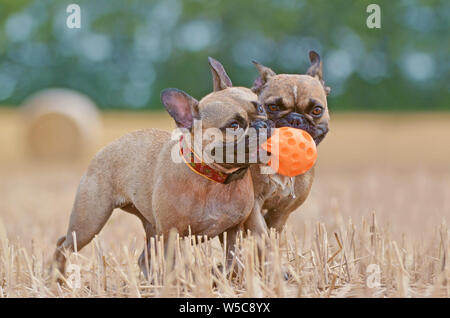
{"x":292,"y":100}
{"x":137,"y":173}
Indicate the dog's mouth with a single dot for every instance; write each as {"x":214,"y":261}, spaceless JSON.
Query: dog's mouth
{"x":246,"y":149}
{"x":296,"y":120}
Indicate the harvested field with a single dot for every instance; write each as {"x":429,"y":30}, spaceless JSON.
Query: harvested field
{"x":380,"y":197}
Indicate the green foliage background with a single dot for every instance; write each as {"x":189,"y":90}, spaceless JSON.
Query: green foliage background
{"x":126,"y":52}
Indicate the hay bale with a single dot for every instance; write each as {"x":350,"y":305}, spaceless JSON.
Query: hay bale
{"x":60,"y":125}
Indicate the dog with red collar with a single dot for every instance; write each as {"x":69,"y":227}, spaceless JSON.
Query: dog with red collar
{"x":138,"y":173}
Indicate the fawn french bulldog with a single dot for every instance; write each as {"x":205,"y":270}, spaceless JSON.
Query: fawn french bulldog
{"x":298,"y":101}
{"x":137,"y":173}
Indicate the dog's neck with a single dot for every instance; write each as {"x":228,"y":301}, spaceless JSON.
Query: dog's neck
{"x":211,"y":171}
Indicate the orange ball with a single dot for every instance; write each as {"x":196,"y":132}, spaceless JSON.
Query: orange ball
{"x":293,"y":151}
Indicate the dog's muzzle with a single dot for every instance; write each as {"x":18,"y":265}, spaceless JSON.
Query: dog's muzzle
{"x":262,"y":124}
{"x":294,"y":120}
{"x":299,"y":121}
{"x":264,"y":129}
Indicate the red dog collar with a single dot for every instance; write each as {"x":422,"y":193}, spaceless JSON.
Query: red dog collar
{"x":201,"y":167}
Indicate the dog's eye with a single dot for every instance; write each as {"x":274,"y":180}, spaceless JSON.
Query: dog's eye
{"x":234,"y":125}
{"x":317,"y":111}
{"x":259,"y":108}
{"x":273,"y":108}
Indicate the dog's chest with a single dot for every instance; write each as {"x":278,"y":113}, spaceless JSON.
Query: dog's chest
{"x":209,"y":208}
{"x":279,"y":186}
{"x":225,"y":208}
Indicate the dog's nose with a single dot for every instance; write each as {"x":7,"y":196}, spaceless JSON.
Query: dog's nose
{"x":296,"y":120}
{"x":260,"y":124}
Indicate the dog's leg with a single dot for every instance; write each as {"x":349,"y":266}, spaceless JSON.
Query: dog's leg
{"x":276,"y":217}
{"x":91,"y":210}
{"x":258,"y":227}
{"x":230,"y":250}
{"x":144,"y":258}
{"x":255,"y":221}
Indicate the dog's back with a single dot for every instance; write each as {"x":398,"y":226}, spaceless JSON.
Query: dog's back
{"x":127,"y":160}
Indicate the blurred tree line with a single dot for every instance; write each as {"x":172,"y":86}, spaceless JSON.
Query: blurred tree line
{"x":126,"y":52}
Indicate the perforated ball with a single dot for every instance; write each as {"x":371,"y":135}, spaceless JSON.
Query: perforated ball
{"x":293,"y":151}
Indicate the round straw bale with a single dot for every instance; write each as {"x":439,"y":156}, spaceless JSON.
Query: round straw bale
{"x":60,"y":125}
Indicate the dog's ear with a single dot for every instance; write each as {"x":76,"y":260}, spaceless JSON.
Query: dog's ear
{"x":265,"y":74}
{"x":220,"y":77}
{"x":315,"y":70}
{"x":181,"y":106}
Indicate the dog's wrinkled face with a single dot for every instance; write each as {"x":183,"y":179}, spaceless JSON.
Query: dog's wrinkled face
{"x":230,"y":108}
{"x":298,"y":101}
{"x":236,"y":112}
{"x":225,"y":115}
{"x":237,"y":99}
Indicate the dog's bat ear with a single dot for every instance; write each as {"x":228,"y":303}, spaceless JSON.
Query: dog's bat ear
{"x":315,"y":70}
{"x":181,"y":106}
{"x":220,"y":77}
{"x":265,"y":73}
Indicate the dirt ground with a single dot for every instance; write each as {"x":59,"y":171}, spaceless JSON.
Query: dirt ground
{"x":393,"y":166}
